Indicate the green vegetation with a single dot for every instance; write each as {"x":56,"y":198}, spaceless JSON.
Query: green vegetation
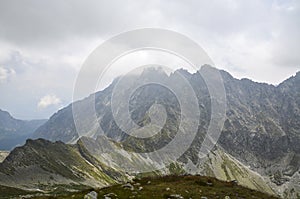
{"x":176,"y":169}
{"x":10,"y":192}
{"x":172,"y":187}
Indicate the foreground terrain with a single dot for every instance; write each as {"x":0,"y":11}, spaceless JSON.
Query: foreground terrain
{"x":168,"y":187}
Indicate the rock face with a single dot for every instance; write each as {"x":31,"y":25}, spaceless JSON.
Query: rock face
{"x":3,"y":155}
{"x":14,"y":132}
{"x":261,"y":130}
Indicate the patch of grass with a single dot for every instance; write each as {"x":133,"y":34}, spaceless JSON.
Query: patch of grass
{"x":163,"y":187}
{"x":10,"y":192}
{"x":175,"y":168}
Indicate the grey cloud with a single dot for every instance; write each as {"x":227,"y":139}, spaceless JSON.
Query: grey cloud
{"x":45,"y":39}
{"x":32,"y":20}
{"x":36,"y":21}
{"x":286,"y":44}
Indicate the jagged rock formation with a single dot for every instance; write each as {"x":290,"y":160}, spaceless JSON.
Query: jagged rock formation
{"x":261,"y":130}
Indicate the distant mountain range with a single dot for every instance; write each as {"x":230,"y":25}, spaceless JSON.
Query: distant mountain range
{"x":259,"y":145}
{"x":14,"y":132}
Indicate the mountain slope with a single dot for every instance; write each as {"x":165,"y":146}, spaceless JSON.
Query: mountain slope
{"x":261,"y":130}
{"x":3,"y":155}
{"x":44,"y":165}
{"x":14,"y":132}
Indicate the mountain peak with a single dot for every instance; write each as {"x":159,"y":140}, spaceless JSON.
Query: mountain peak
{"x":153,"y":71}
{"x":292,"y":81}
{"x":5,"y":114}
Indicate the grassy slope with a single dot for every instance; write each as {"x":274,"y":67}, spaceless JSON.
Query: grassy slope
{"x":225,"y":167}
{"x":51,"y":159}
{"x":186,"y":186}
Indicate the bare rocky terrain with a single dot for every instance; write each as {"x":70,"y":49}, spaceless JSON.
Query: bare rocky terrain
{"x":258,"y":146}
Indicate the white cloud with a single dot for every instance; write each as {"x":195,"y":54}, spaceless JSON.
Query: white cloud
{"x":48,"y":100}
{"x":6,"y":73}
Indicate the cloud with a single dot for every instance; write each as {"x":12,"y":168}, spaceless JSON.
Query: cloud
{"x":32,"y":22}
{"x":6,"y":73}
{"x":48,"y":100}
{"x":42,"y":41}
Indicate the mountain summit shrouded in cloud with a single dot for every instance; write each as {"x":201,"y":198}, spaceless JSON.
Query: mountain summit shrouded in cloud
{"x":258,"y":146}
{"x":136,"y":93}
{"x":44,"y":45}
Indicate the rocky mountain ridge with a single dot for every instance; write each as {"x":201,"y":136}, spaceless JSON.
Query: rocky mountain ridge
{"x":46,"y":166}
{"x":259,"y":144}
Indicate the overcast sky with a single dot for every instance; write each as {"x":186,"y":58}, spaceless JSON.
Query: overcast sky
{"x":44,"y":43}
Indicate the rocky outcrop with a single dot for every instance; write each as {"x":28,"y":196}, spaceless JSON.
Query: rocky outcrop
{"x":261,"y":130}
{"x":3,"y":155}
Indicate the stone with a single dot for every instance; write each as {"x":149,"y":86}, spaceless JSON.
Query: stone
{"x":128,"y":186}
{"x":91,"y":195}
{"x":176,"y":196}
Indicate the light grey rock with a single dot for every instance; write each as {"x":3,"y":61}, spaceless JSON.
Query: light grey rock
{"x":91,"y":195}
